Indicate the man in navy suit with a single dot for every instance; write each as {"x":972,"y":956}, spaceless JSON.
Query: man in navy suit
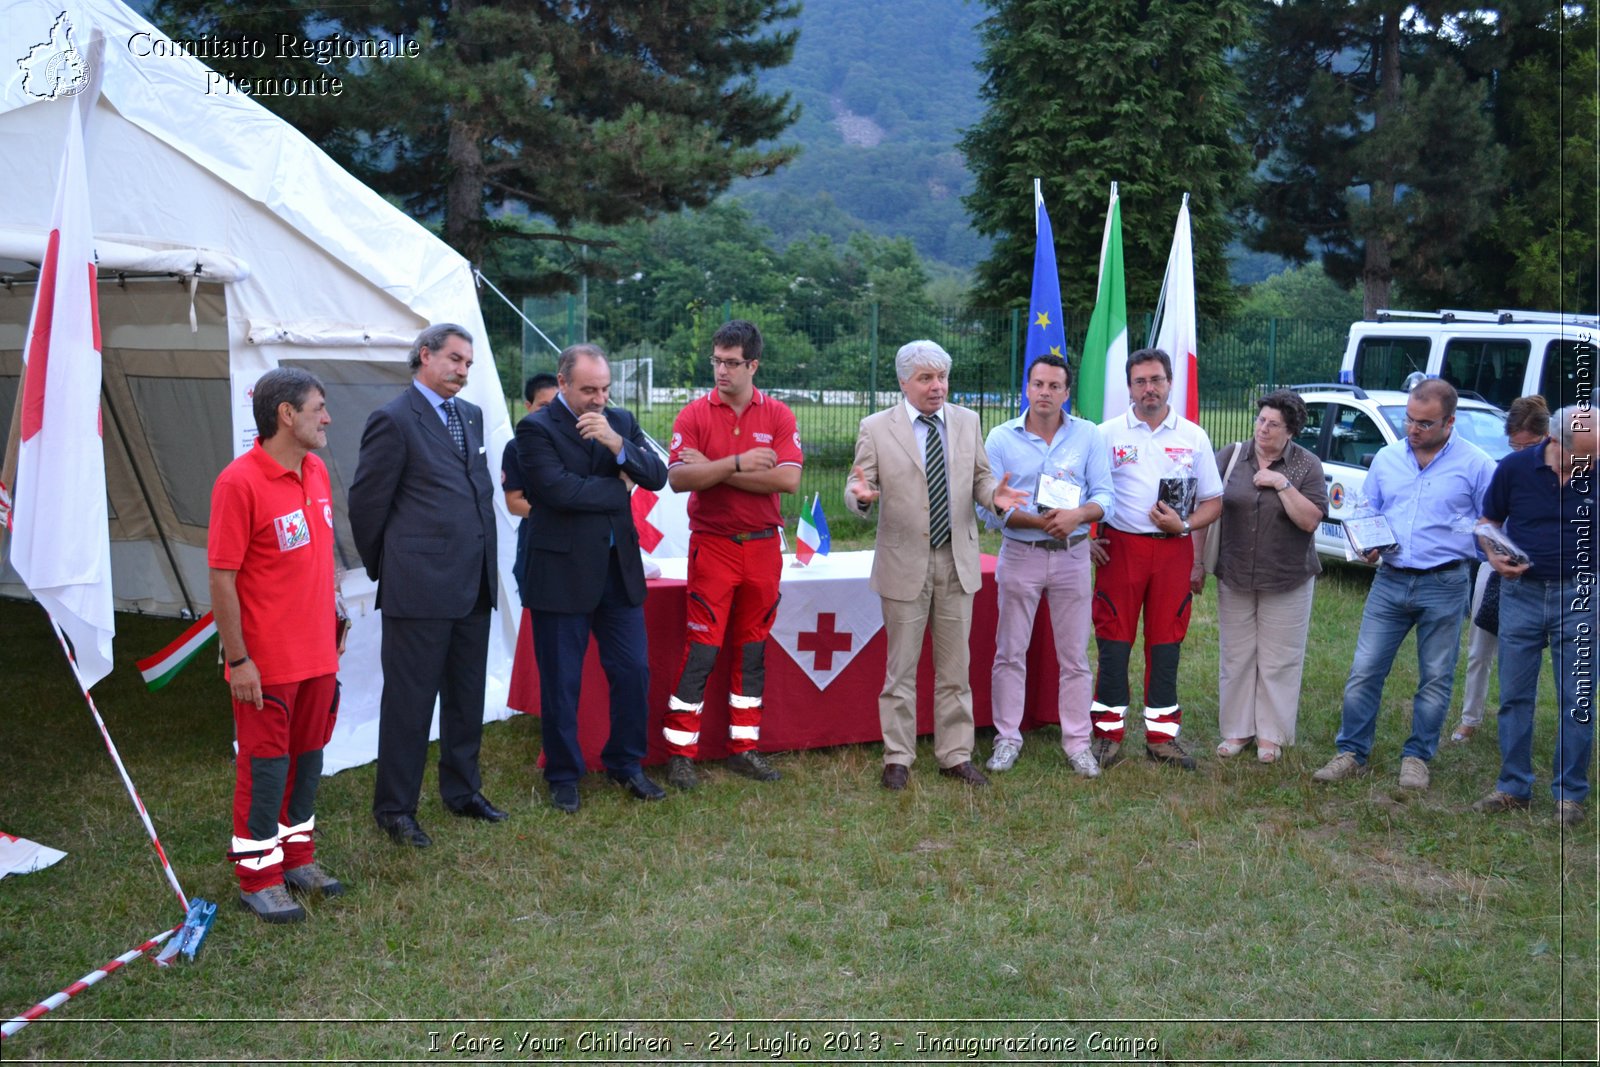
{"x":423,"y":520}
{"x":584,"y":573}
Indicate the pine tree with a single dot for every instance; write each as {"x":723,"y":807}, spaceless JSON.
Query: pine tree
{"x":1378,"y":150}
{"x":604,"y":111}
{"x":1081,"y":93}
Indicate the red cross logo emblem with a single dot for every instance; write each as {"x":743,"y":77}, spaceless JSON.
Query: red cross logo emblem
{"x":642,"y":503}
{"x":824,"y":641}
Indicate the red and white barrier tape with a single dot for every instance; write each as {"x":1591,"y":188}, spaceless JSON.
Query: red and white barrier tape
{"x":51,"y":1003}
{"x":116,"y":758}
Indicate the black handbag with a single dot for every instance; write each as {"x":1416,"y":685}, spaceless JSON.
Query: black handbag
{"x":1488,"y":617}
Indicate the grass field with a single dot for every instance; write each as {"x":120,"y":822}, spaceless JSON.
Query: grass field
{"x":1238,"y":913}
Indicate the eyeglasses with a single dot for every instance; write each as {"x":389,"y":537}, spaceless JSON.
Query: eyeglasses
{"x":1140,"y":383}
{"x":1420,"y":425}
{"x":729,"y":364}
{"x":1268,"y":424}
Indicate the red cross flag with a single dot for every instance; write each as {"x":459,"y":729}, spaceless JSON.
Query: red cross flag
{"x":60,"y":540}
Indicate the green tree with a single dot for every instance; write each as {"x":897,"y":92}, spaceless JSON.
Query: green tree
{"x":604,"y":111}
{"x":1082,"y":93}
{"x":1539,"y":60}
{"x":1378,"y":149}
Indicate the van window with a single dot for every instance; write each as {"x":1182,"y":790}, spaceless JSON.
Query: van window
{"x":1310,"y":435}
{"x":1355,"y":437}
{"x":1384,"y":362}
{"x":1569,"y":370}
{"x":1492,"y":369}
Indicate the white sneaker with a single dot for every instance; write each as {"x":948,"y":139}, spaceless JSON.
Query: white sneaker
{"x":1005,"y":755}
{"x":1085,"y":763}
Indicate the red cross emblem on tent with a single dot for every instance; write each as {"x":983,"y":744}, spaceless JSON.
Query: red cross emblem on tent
{"x":643,"y":502}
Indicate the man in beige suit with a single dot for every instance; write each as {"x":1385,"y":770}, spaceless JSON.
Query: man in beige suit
{"x":923,"y":462}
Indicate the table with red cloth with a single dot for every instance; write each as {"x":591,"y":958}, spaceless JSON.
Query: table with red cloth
{"x":825,"y":663}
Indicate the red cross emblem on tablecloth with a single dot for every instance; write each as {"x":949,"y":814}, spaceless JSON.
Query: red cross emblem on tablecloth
{"x":823,"y":641}
{"x":643,"y":502}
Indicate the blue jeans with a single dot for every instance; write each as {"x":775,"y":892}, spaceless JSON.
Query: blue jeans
{"x":1434,"y":604}
{"x":1534,"y":614}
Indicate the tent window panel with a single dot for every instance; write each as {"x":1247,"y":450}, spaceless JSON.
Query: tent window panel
{"x":188,"y":425}
{"x":354,"y":387}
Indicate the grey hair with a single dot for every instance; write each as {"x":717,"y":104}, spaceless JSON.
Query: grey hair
{"x":920,"y":354}
{"x":569,"y":358}
{"x":433,"y":339}
{"x":1571,"y":421}
{"x":281,"y":385}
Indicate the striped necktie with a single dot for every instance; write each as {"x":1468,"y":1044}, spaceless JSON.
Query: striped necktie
{"x":938,"y":486}
{"x":452,"y":421}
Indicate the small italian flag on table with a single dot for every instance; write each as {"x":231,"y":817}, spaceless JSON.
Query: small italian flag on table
{"x":161,"y":668}
{"x":812,"y":538}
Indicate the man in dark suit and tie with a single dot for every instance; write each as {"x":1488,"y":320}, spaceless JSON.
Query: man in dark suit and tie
{"x":584,"y":573}
{"x":423,"y":520}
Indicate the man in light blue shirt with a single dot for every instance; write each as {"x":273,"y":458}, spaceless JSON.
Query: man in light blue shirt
{"x":1429,"y":488}
{"x":1061,"y":462}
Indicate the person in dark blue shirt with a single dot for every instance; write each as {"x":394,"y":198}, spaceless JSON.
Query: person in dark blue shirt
{"x":1543,"y":498}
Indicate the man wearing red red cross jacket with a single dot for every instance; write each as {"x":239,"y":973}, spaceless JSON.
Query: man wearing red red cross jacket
{"x":733,"y":450}
{"x":270,"y":550}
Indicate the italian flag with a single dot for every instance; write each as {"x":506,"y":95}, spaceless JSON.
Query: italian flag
{"x":161,"y":668}
{"x":812,"y":538}
{"x":1102,"y":391}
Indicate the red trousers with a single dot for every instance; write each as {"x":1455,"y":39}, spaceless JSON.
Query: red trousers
{"x":733,"y":597}
{"x":1149,"y":576}
{"x":278,"y":769}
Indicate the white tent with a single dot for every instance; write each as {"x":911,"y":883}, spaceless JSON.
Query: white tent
{"x":228,"y":244}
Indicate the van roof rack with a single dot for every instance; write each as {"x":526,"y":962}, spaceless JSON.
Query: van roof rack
{"x":1502,"y":317}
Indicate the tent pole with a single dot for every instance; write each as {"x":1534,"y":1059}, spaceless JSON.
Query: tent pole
{"x":149,"y":503}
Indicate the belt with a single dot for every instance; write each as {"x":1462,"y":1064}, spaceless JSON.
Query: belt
{"x":754,"y":535}
{"x":1429,"y":570}
{"x":1155,"y":536}
{"x":1051,"y":544}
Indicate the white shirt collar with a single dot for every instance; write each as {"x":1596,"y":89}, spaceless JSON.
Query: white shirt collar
{"x":913,"y":414}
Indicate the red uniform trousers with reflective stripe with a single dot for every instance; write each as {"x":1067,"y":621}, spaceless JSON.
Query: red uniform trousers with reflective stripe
{"x":733,"y":596}
{"x":1148,"y":574}
{"x":279,"y":767}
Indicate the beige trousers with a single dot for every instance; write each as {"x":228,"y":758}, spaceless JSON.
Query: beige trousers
{"x":948,"y":607}
{"x":1263,"y":652}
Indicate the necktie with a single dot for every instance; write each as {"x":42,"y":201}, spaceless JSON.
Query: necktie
{"x":452,"y":420}
{"x":938,"y":487}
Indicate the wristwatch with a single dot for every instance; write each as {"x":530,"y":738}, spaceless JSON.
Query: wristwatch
{"x":1186,"y":527}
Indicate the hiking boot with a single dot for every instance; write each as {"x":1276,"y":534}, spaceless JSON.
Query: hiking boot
{"x":313,"y":879}
{"x":273,"y":905}
{"x":1344,"y":765}
{"x":752,"y":764}
{"x":1005,"y":754}
{"x":1414,"y":773}
{"x":1569,"y":812}
{"x":1170,"y":752}
{"x":1084,"y":763}
{"x":680,"y":773}
{"x":1497,"y":802}
{"x":1107,"y":753}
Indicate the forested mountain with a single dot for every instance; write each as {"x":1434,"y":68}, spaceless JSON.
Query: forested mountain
{"x":885,"y":87}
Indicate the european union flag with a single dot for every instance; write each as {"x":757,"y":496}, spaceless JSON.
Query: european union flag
{"x":1047,"y":332}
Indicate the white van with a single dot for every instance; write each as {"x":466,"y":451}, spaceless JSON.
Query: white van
{"x":1495,"y":355}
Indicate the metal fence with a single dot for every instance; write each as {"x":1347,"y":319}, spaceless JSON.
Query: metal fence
{"x":834,"y":365}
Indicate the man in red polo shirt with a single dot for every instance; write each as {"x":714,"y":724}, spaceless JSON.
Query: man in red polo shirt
{"x":270,"y":550}
{"x":733,"y":450}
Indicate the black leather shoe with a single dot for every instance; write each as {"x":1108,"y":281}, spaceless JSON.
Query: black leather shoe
{"x":403,"y":830}
{"x":478,"y":807}
{"x":895,"y":775}
{"x":564,"y":797}
{"x":641,"y":788}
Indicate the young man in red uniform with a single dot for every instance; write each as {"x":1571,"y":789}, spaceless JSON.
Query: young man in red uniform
{"x":270,"y":551}
{"x":733,"y":450}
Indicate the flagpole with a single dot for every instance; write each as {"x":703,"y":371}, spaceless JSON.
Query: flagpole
{"x":116,"y":758}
